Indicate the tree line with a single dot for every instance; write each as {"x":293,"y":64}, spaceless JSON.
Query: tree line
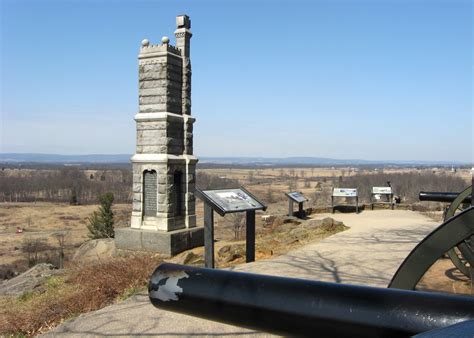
{"x":78,"y":186}
{"x":68,"y":184}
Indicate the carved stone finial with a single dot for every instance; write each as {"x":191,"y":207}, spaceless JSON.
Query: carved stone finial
{"x":165,"y":40}
{"x":145,"y":43}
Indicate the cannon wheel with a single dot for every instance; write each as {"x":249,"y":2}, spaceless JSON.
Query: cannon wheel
{"x":464,"y":252}
{"x":455,"y":231}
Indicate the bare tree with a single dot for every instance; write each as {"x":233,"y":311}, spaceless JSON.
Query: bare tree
{"x":238,"y":224}
{"x":61,"y":238}
{"x":269,"y":195}
{"x":322,"y":197}
{"x":250,"y":176}
{"x":32,"y":247}
{"x":307,"y":183}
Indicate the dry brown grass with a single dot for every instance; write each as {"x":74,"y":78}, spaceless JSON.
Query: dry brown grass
{"x":42,"y":220}
{"x":78,"y":290}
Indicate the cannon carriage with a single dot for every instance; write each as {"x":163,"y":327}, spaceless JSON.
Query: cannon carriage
{"x":461,"y":247}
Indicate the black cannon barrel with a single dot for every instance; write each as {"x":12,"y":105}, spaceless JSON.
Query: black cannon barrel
{"x":441,"y":196}
{"x":289,"y":306}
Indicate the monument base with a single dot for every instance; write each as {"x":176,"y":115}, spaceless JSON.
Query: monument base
{"x":168,"y":243}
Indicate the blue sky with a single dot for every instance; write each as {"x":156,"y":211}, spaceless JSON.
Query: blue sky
{"x":343,"y":79}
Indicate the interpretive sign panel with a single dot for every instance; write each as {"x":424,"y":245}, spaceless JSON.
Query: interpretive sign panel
{"x":379,"y":194}
{"x":230,"y":200}
{"x":225,"y":201}
{"x":344,"y":192}
{"x":382,"y":190}
{"x":297,"y":196}
{"x":347,"y":193}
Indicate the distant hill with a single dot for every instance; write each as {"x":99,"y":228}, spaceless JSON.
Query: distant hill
{"x":284,"y":161}
{"x":53,"y":158}
{"x":320,"y":161}
{"x":260,"y":161}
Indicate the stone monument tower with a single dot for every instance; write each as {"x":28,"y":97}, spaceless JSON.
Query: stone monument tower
{"x":164,"y":167}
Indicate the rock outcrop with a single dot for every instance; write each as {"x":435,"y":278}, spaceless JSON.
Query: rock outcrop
{"x":28,"y":281}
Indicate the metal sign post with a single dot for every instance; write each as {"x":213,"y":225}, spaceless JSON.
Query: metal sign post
{"x":208,"y":236}
{"x":223,"y":202}
{"x":250,"y":236}
{"x":296,"y":197}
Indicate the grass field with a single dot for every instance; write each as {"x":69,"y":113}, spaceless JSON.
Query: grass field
{"x":40,"y":221}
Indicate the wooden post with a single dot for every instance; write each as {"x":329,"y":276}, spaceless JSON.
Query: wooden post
{"x":208,"y":236}
{"x":357,"y":204}
{"x":290,"y":207}
{"x":332,"y":204}
{"x":250,"y":237}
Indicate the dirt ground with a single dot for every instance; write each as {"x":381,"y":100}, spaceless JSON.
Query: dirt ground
{"x":443,"y":276}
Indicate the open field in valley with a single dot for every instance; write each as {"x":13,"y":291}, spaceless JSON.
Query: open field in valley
{"x":42,"y":219}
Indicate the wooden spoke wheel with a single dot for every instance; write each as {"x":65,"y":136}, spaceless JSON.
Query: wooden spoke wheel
{"x":455,"y":237}
{"x":462,"y":255}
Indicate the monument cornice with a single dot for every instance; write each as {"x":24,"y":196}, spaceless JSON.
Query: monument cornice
{"x":163,"y":116}
{"x":163,"y":158}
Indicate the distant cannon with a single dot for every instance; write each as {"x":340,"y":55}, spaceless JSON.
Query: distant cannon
{"x":447,"y":197}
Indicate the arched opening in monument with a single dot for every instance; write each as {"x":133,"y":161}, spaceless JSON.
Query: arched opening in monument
{"x":150,"y":186}
{"x":178,"y":193}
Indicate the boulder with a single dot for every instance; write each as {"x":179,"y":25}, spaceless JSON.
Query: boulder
{"x":231,"y":252}
{"x":327,"y":222}
{"x":313,"y":223}
{"x":193,"y":259}
{"x":28,"y":281}
{"x":95,"y":250}
{"x":298,"y":233}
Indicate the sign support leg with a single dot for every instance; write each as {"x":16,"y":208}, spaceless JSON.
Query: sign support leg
{"x":208,"y":236}
{"x":250,"y":236}
{"x":300,"y":210}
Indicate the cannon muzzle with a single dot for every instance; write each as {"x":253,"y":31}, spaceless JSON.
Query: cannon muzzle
{"x":441,"y":197}
{"x":298,"y":307}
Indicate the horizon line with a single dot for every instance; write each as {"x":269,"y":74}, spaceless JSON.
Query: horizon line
{"x":463,"y":162}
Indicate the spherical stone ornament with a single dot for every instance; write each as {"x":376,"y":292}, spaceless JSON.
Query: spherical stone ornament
{"x":145,"y":43}
{"x":165,"y":39}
